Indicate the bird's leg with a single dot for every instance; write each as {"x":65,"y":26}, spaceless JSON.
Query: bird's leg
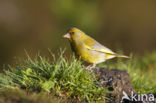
{"x":87,"y":68}
{"x":93,"y":66}
{"x":90,"y":67}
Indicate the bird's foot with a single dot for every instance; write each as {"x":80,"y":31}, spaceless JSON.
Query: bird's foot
{"x":90,"y":67}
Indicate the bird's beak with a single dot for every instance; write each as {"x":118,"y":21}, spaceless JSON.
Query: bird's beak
{"x":67,"y":35}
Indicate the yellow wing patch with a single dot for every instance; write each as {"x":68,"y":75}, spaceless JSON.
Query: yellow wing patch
{"x":100,"y":50}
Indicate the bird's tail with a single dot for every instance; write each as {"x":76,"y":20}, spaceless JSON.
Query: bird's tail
{"x":122,"y":56}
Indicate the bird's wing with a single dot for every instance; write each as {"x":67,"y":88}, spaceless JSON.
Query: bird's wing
{"x":100,"y":48}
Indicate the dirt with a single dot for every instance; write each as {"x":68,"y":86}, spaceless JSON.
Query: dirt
{"x":117,"y":81}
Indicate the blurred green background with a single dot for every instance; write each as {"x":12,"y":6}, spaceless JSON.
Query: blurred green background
{"x":36,"y":25}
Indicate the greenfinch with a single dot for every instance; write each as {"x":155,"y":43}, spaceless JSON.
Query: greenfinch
{"x":88,"y":49}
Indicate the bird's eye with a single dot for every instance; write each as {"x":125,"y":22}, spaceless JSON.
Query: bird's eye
{"x":71,"y":33}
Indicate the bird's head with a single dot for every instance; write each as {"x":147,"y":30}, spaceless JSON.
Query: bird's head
{"x":74,"y":34}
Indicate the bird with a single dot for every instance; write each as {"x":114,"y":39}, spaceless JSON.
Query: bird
{"x":88,"y":49}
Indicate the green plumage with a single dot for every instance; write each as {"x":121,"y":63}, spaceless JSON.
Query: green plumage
{"x":89,"y":49}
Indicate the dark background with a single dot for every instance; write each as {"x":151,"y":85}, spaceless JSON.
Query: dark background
{"x":36,"y":25}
